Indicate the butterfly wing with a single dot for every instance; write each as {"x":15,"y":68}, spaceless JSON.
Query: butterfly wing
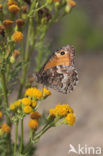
{"x":59,"y":72}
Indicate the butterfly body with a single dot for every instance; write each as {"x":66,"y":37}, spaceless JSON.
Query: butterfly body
{"x":59,"y":72}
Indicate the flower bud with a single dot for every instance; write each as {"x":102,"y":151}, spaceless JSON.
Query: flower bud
{"x":20,"y":22}
{"x":12,"y":60}
{"x":67,"y":8}
{"x":16,"y":53}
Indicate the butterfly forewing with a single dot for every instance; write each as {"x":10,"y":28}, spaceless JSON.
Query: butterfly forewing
{"x":59,"y":71}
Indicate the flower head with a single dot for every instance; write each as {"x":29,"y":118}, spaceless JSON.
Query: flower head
{"x":33,"y":92}
{"x":52,"y":112}
{"x":28,"y":109}
{"x":11,"y":2}
{"x":33,"y":103}
{"x":20,"y":22}
{"x":14,"y":9}
{"x":24,"y":9}
{"x":26,"y":101}
{"x":1,"y":114}
{"x":5,"y":128}
{"x":33,"y":124}
{"x":12,"y":107}
{"x":18,"y":36}
{"x":70,"y":119}
{"x":35,"y":115}
{"x":7,"y":23}
{"x":17,"y":103}
{"x":46,"y":92}
{"x":62,"y":110}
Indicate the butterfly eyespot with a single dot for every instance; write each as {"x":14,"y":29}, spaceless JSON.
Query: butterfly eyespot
{"x":62,"y":53}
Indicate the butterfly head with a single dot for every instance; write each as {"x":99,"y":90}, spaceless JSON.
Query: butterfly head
{"x":65,"y":51}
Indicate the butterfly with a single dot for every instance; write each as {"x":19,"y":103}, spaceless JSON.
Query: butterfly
{"x":59,"y":71}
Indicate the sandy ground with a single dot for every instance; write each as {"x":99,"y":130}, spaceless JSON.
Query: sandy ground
{"x":87,"y":102}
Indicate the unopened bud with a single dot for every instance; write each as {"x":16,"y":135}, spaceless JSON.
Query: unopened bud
{"x":12,"y":60}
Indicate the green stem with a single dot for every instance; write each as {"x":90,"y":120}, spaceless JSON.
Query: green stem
{"x":4,"y":87}
{"x":21,"y":141}
{"x":26,"y":60}
{"x":5,"y":90}
{"x":16,"y":136}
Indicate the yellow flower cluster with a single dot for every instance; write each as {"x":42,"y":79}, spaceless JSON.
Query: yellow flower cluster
{"x":28,"y":104}
{"x":33,"y":92}
{"x":64,"y":111}
{"x":5,"y":128}
{"x":61,"y":110}
{"x":25,"y":103}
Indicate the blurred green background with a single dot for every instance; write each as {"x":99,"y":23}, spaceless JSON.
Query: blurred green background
{"x":81,"y":28}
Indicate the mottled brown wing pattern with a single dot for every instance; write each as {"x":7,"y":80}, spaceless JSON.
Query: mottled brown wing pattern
{"x":62,"y":79}
{"x":59,"y":72}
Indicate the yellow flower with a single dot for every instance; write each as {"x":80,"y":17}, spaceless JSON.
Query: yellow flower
{"x":14,"y":9}
{"x":12,"y":106}
{"x":33,"y":92}
{"x":1,"y":114}
{"x":35,"y":115}
{"x":17,"y":103}
{"x":11,"y":2}
{"x":33,"y":124}
{"x":18,"y":36}
{"x":28,"y":109}
{"x":26,"y":101}
{"x":7,"y":23}
{"x":34,"y":103}
{"x":62,"y":110}
{"x":70,"y":119}
{"x":46,"y":92}
{"x":52,"y":112}
{"x":5,"y":128}
{"x":68,"y":108}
